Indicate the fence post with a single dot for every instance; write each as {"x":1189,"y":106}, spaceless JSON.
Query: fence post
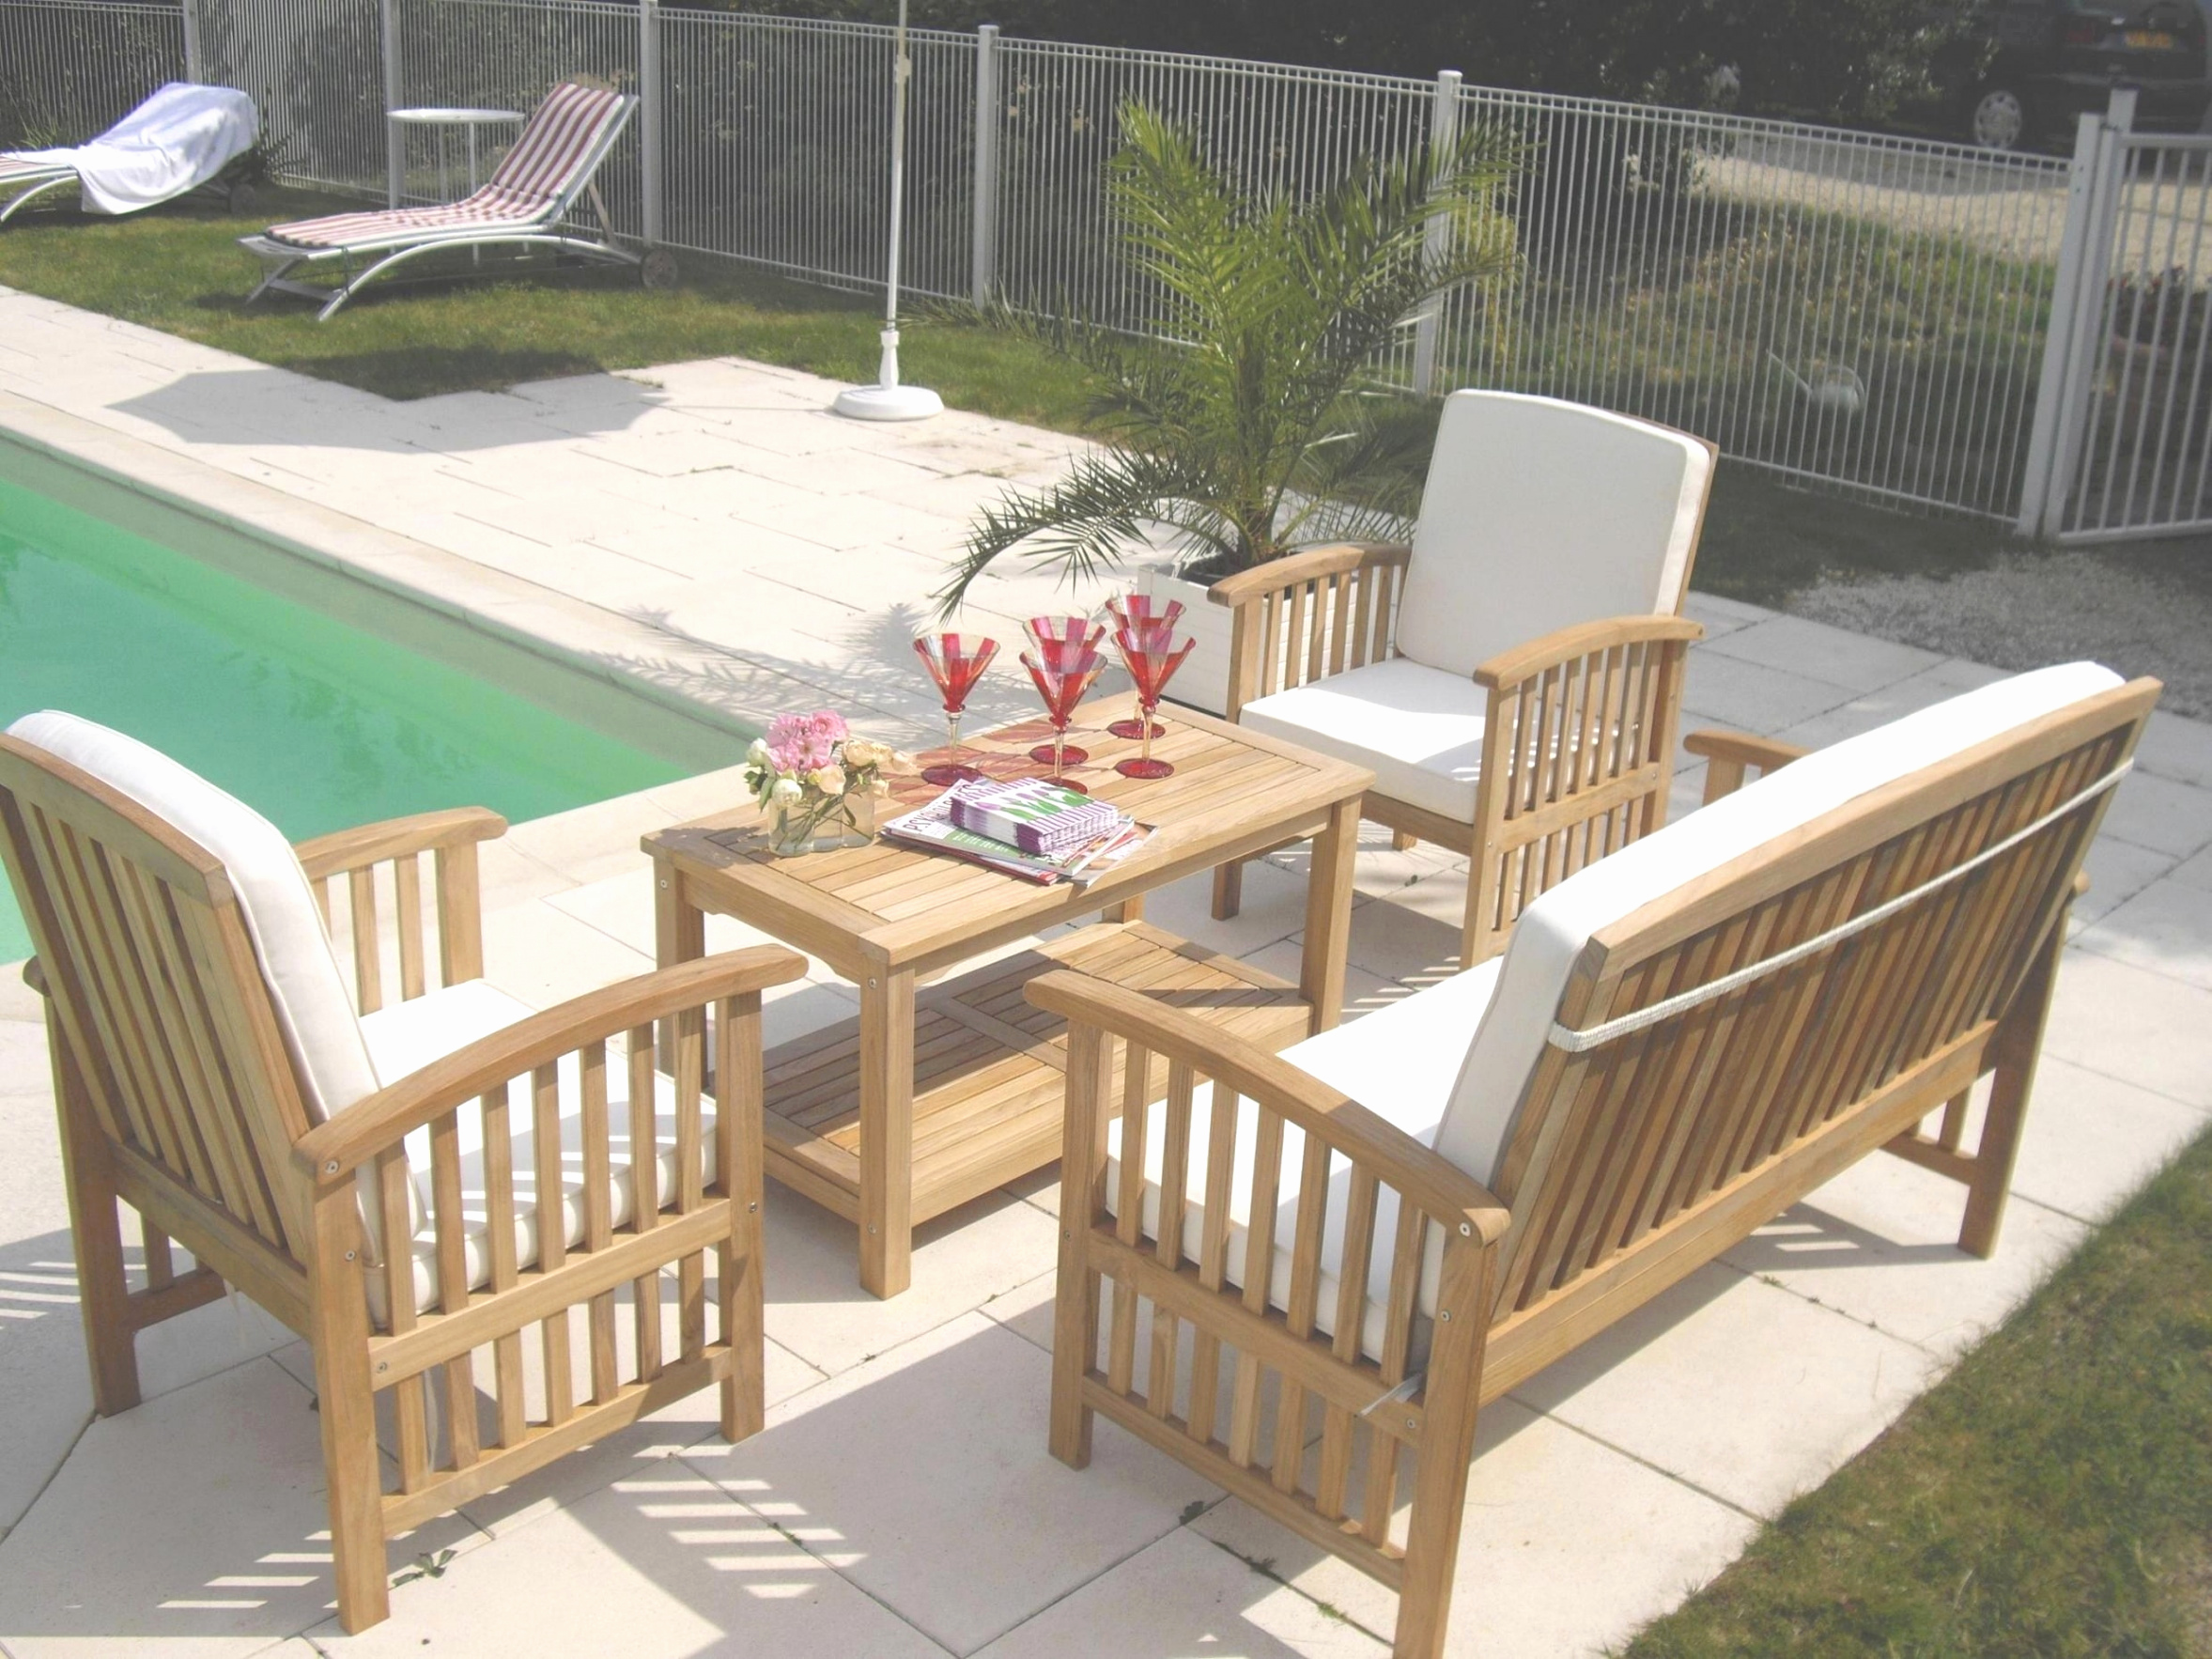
{"x":395,"y":134}
{"x":1444,"y":135}
{"x":649,"y":117}
{"x":191,"y":42}
{"x":2094,"y":191}
{"x":984,"y":264}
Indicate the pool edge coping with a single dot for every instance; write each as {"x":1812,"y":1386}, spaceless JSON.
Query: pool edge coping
{"x":570,"y":633}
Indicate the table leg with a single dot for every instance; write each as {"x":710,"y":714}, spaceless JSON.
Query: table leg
{"x":1329,"y":914}
{"x":886,"y":1133}
{"x":679,"y":935}
{"x":1129,"y":909}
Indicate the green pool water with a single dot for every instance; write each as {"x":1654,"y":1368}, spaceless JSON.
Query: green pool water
{"x":315,"y":722}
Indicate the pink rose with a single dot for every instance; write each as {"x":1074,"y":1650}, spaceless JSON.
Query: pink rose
{"x":804,"y":743}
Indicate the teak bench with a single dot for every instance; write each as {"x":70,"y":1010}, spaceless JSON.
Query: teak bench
{"x":1678,"y":1043}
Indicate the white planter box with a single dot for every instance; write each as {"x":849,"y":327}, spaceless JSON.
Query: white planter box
{"x":1202,"y":681}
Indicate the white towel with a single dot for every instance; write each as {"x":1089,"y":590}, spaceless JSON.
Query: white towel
{"x":176,"y":141}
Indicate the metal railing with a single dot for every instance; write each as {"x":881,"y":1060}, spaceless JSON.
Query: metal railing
{"x":2126,"y":428}
{"x":70,"y":69}
{"x":1863,"y":311}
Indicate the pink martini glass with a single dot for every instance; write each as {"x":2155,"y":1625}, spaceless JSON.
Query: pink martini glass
{"x":1065,"y":645}
{"x":955,"y":661}
{"x":1152,"y":662}
{"x":1152,"y":623}
{"x":1061,"y":639}
{"x":1062,"y":687}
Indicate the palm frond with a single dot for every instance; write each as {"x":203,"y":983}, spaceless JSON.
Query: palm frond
{"x":1258,"y":426}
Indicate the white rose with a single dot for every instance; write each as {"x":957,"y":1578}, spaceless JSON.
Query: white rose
{"x":758,"y":754}
{"x":859,"y":752}
{"x":830,"y":780}
{"x":786,"y":790}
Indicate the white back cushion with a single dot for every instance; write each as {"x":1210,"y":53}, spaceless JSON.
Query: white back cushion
{"x":1540,"y":514}
{"x":1478,"y":1119}
{"x":305,"y":985}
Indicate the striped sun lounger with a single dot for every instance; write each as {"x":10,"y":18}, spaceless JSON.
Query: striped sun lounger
{"x":530,"y":202}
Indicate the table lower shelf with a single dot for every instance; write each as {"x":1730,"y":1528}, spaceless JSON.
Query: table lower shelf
{"x":988,"y":1068}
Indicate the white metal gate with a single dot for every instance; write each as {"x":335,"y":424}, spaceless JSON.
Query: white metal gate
{"x":2123,"y":430}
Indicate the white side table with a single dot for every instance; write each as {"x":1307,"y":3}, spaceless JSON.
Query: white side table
{"x":438,"y":120}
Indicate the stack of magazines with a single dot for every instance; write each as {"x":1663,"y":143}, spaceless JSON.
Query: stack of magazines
{"x":1028,"y":826}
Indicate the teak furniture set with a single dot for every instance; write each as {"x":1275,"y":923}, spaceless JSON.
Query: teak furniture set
{"x":1660,"y":1040}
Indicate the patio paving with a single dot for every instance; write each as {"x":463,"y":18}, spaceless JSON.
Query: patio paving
{"x":708,"y":526}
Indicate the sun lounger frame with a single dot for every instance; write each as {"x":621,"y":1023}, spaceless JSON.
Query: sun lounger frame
{"x":551,"y":228}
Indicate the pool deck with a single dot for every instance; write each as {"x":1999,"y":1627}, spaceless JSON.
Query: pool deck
{"x":709,"y":528}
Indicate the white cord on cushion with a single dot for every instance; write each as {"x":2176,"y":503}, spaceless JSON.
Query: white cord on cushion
{"x":1579,"y":1042}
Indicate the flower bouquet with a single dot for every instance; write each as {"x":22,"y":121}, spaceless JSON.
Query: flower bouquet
{"x":817,"y":782}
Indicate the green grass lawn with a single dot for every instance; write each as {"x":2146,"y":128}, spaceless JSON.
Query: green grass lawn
{"x":179,"y":270}
{"x":2051,"y":1497}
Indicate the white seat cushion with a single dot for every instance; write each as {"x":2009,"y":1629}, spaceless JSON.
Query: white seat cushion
{"x":1540,"y":514}
{"x":305,"y":985}
{"x":1399,"y":1061}
{"x":1553,"y":932}
{"x":412,"y":1034}
{"x":307,"y":989}
{"x":1418,"y":729}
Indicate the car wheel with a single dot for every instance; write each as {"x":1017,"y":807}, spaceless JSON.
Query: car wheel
{"x":2000,"y":119}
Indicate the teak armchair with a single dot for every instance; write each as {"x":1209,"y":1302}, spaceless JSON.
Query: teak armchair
{"x":375,"y":1182}
{"x":1400,"y":1219}
{"x":1514,"y":676}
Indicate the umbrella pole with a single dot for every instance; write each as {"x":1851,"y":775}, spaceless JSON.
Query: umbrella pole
{"x":886,"y":400}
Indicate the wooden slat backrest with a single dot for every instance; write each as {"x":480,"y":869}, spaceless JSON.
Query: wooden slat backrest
{"x":158,"y":991}
{"x":1643,"y":1134}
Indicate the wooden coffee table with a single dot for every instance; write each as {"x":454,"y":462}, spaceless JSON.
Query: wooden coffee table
{"x":938,"y":1093}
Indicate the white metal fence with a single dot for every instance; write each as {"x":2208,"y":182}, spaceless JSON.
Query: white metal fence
{"x":1864,"y":311}
{"x":71,"y":67}
{"x":2125,"y":437}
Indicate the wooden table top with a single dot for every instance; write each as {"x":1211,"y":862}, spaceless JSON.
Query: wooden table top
{"x":889,"y":907}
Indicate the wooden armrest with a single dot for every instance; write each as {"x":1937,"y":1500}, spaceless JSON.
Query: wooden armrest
{"x":1728,"y":754}
{"x":1440,"y":1187}
{"x":1583,"y":639}
{"x":346,"y":850}
{"x":380,"y":1121}
{"x":1309,"y":564}
{"x":1767,"y":753}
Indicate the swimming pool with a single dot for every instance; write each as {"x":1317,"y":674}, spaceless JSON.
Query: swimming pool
{"x":318,"y":723}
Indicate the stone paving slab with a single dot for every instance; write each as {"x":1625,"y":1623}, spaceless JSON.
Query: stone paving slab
{"x":706,"y":529}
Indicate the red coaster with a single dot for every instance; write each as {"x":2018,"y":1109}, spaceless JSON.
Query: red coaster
{"x":1145,"y":769}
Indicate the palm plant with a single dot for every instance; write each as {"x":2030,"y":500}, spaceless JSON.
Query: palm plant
{"x":1262,"y":429}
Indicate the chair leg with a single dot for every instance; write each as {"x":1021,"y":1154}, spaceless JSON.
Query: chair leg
{"x":1229,"y":889}
{"x":103,"y":1289}
{"x":1075,"y":1337}
{"x":1403,"y":841}
{"x":345,"y":1403}
{"x":1478,"y":942}
{"x":1448,"y":1446}
{"x":2019,"y":1040}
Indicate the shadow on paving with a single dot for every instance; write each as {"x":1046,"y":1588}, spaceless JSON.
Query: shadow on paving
{"x":262,"y":406}
{"x":917,"y":1480}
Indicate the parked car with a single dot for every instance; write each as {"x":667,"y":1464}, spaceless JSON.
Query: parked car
{"x":2048,"y":61}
